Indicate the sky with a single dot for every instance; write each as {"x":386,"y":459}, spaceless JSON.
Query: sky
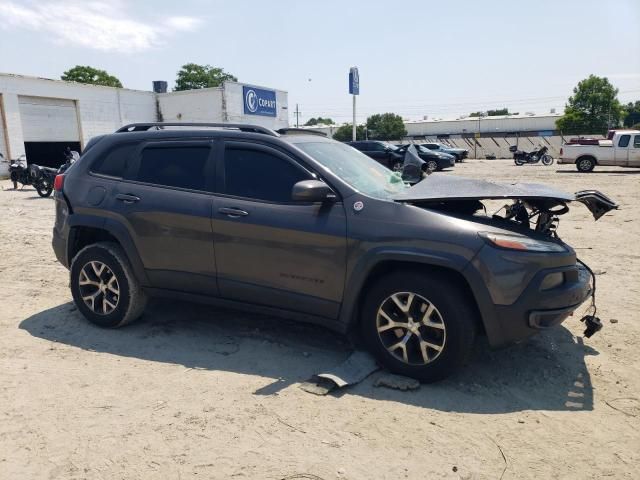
{"x":439,"y":59}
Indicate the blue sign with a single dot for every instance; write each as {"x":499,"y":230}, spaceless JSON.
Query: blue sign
{"x":258,"y":101}
{"x":354,"y":81}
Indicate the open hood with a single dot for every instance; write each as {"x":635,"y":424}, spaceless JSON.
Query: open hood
{"x":446,"y":188}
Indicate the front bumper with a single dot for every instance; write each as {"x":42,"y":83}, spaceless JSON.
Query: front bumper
{"x":516,"y":304}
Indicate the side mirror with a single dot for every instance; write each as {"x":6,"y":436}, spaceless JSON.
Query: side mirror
{"x":312,"y":191}
{"x":387,"y":149}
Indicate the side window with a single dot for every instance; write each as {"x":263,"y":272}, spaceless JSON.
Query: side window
{"x":375,"y":147}
{"x":636,"y":141}
{"x":115,"y":162}
{"x":259,"y":175}
{"x":174,"y":166}
{"x":624,"y":141}
{"x":431,"y":146}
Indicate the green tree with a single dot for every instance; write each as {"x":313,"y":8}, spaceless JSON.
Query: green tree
{"x":386,"y":126}
{"x":87,"y":74}
{"x":318,"y":121}
{"x":344,"y":133}
{"x":193,"y":76}
{"x":593,"y":107}
{"x":632,"y":113}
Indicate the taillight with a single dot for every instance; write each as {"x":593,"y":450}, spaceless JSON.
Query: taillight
{"x":58,"y":182}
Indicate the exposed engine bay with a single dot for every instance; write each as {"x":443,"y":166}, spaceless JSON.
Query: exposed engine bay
{"x":532,"y":207}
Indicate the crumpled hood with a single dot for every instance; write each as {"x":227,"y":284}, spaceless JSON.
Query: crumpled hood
{"x":439,"y":188}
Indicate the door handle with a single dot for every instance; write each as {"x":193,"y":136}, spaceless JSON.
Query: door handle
{"x":233,"y":212}
{"x":127,"y":198}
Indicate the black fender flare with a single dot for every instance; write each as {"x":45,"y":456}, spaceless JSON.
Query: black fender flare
{"x":118,"y":231}
{"x":361,"y":272}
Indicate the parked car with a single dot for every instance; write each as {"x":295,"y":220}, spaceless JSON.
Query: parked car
{"x":459,"y":153}
{"x":309,"y":228}
{"x":435,"y":160}
{"x":622,"y":150}
{"x":383,"y":152}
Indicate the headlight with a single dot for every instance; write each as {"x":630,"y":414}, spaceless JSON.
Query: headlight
{"x":520,"y":242}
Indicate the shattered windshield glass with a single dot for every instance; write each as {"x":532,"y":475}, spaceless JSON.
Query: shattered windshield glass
{"x":355,"y":168}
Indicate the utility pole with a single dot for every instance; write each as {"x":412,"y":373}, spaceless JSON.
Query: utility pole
{"x":297,"y":114}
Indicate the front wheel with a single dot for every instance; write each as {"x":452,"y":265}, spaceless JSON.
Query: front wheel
{"x":547,"y":160}
{"x":14,"y":180}
{"x":104,"y":287}
{"x":418,"y":325}
{"x":44,"y":188}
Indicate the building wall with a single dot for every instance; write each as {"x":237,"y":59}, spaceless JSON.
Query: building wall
{"x":486,"y":125}
{"x":203,"y":105}
{"x":234,"y":103}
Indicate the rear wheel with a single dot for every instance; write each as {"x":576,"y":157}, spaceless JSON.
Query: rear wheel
{"x":432,"y":165}
{"x":519,"y":162}
{"x":104,"y":287}
{"x":44,"y":188}
{"x":585,"y":164}
{"x":547,"y":160}
{"x":417,"y":325}
{"x":14,"y":180}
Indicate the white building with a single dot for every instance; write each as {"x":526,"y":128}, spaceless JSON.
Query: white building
{"x":39,"y":117}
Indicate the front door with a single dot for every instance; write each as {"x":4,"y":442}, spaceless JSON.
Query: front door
{"x":269,"y":250}
{"x":165,"y":202}
{"x":621,"y":151}
{"x":634,"y":152}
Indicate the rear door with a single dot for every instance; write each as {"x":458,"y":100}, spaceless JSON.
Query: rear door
{"x":165,"y":202}
{"x":621,"y":150}
{"x":269,"y":250}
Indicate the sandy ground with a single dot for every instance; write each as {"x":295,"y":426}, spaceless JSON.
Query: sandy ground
{"x":193,"y":391}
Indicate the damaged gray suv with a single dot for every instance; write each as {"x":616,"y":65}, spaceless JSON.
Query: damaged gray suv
{"x":294,"y":224}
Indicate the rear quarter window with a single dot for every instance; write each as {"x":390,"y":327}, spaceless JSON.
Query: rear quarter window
{"x":115,"y":161}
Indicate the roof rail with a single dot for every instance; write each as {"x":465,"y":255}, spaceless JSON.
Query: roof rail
{"x":143,"y":127}
{"x":285,"y":131}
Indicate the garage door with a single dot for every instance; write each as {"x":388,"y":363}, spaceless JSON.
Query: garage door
{"x":48,"y":119}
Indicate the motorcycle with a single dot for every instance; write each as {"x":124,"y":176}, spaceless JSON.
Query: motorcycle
{"x":520,"y":157}
{"x":40,"y":177}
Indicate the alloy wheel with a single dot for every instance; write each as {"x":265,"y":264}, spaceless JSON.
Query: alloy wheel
{"x":411,"y":328}
{"x":99,"y":287}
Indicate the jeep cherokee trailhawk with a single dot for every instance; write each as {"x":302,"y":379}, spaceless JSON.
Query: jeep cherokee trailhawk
{"x":294,"y":224}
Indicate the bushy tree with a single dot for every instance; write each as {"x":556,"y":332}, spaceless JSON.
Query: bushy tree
{"x":87,"y":74}
{"x":632,"y":114}
{"x":193,"y":76}
{"x":318,"y":121}
{"x":386,"y":126}
{"x":344,"y":133}
{"x":593,"y":107}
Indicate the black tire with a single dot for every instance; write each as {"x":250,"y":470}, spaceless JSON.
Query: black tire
{"x":14,"y":180}
{"x":432,"y":165}
{"x":130,"y":302}
{"x":451,"y":309}
{"x":585,"y":164}
{"x":44,"y":188}
{"x":547,"y":160}
{"x":519,"y":162}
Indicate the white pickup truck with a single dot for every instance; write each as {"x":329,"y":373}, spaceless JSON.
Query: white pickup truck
{"x":622,"y":150}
